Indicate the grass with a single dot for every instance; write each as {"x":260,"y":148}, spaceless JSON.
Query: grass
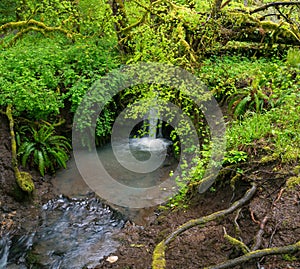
{"x":279,"y":128}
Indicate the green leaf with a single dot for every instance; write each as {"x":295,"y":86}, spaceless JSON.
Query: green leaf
{"x":241,"y":106}
{"x":41,"y":162}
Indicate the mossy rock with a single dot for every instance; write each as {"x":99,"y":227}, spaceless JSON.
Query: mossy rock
{"x":25,"y":182}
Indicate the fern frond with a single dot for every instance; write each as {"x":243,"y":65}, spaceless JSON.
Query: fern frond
{"x":25,"y":151}
{"x":241,"y":106}
{"x":41,"y":162}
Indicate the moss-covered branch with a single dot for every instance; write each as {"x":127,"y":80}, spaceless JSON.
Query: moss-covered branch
{"x":257,"y":254}
{"x":236,"y":242}
{"x":158,"y":261}
{"x":274,"y":4}
{"x":23,"y":179}
{"x":32,"y":23}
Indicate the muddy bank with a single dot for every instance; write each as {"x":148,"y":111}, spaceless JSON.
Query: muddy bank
{"x":16,"y":206}
{"x":203,"y":246}
{"x":196,"y":248}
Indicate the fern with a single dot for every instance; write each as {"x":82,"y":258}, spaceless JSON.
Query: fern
{"x":43,"y":149}
{"x":241,"y":107}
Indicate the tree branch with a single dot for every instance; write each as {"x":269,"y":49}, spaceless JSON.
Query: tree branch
{"x":275,"y":4}
{"x":23,"y":179}
{"x":34,"y":23}
{"x":257,"y":254}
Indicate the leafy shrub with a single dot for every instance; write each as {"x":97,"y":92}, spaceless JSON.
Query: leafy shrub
{"x":249,"y":84}
{"x":293,"y":57}
{"x":43,"y":149}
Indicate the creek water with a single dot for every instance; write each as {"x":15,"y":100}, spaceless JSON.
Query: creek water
{"x":76,"y":230}
{"x":73,"y":233}
{"x":70,"y":182}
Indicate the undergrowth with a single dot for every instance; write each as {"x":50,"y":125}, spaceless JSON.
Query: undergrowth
{"x":270,"y":133}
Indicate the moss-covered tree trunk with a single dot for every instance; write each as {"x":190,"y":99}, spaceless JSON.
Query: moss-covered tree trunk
{"x":118,"y":10}
{"x":23,"y":179}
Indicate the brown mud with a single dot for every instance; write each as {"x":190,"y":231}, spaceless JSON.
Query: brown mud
{"x":274,"y":204}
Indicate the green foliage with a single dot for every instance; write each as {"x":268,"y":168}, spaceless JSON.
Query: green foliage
{"x":83,"y":17}
{"x":279,"y":128}
{"x":43,"y":149}
{"x":7,"y":11}
{"x":249,"y":85}
{"x":293,"y":57}
{"x":171,"y":33}
{"x":39,"y":81}
{"x":235,"y":156}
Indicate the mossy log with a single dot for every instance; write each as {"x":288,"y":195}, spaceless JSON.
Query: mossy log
{"x":24,"y":179}
{"x":31,"y":23}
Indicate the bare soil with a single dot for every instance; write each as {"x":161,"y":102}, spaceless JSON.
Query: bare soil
{"x":274,"y":204}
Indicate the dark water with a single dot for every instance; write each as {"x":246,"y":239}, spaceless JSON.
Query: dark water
{"x":73,"y":233}
{"x":78,"y":232}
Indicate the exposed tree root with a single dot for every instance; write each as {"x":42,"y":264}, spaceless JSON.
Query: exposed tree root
{"x":159,"y":262}
{"x":258,"y":237}
{"x":236,"y":242}
{"x":257,"y":254}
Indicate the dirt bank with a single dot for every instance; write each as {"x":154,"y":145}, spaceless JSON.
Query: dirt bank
{"x":16,"y":206}
{"x":274,"y":205}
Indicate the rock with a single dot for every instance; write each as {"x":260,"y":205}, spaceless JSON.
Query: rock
{"x":112,"y":259}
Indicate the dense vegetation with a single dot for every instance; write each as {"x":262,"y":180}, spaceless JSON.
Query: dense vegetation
{"x":52,"y":54}
{"x":246,"y":52}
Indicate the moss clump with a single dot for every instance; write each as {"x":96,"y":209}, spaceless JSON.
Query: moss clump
{"x":292,"y":182}
{"x":291,"y":154}
{"x":296,"y":170}
{"x":25,"y":182}
{"x":159,"y":261}
{"x":269,"y":158}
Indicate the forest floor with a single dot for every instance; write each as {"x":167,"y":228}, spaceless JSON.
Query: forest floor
{"x":273,"y":215}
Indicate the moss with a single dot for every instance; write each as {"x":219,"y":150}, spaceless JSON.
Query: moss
{"x":234,"y":180}
{"x":292,"y":182}
{"x":158,"y":259}
{"x":25,"y":182}
{"x":269,"y":158}
{"x":23,"y":179}
{"x":289,"y":258}
{"x":291,"y":154}
{"x":233,"y":241}
{"x":296,"y":170}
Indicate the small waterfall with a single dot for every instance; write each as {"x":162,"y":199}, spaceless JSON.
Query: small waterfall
{"x":153,"y":122}
{"x":160,"y":133}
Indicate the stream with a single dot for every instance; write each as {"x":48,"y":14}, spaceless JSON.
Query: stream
{"x":76,"y":230}
{"x":73,"y":233}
